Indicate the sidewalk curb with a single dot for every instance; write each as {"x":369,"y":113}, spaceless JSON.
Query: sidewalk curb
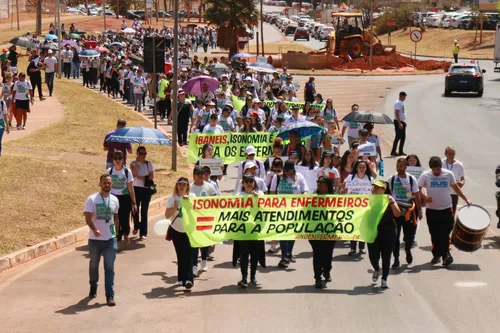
{"x":20,"y":257}
{"x":441,"y":57}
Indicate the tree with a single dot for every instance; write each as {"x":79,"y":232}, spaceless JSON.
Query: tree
{"x":498,"y":7}
{"x":231,"y":17}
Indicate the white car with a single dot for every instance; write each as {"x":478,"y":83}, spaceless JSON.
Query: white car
{"x":435,"y":20}
{"x":317,"y":29}
{"x":74,"y":11}
{"x":455,"y":21}
{"x":323,"y":35}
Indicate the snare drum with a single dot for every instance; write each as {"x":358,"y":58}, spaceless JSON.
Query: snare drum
{"x":470,"y":228}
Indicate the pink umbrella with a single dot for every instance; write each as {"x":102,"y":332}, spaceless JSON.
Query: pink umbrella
{"x":69,"y":42}
{"x":101,"y":49}
{"x":194,"y":86}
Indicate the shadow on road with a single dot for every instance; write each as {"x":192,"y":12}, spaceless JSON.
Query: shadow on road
{"x":165,"y":278}
{"x":348,"y":258}
{"x":268,"y":269}
{"x":81,"y":306}
{"x":491,"y":243}
{"x":159,"y":293}
{"x":452,"y":267}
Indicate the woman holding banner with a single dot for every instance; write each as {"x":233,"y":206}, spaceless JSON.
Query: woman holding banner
{"x":253,"y":248}
{"x":384,"y":243}
{"x":323,"y":249}
{"x":359,"y":182}
{"x":290,"y":182}
{"x":179,"y":237}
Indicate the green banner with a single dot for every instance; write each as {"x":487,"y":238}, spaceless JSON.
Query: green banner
{"x":238,"y":103}
{"x":210,"y":220}
{"x":300,"y":104}
{"x":230,"y":147}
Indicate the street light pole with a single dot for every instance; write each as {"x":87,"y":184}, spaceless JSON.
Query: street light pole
{"x":58,"y":21}
{"x":371,"y":35}
{"x":104,"y":12}
{"x":262,"y":26}
{"x":175,"y":88}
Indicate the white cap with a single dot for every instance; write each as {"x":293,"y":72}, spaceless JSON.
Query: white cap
{"x":455,"y":41}
{"x":248,"y":78}
{"x":250,"y":150}
{"x":49,"y":51}
{"x":256,"y":100}
{"x":249,"y":165}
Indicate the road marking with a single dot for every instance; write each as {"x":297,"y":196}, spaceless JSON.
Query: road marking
{"x":471,"y":284}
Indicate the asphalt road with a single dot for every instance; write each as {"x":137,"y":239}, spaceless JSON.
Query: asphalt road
{"x":49,"y":295}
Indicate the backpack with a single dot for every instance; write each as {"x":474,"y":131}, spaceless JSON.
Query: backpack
{"x":126,"y":171}
{"x":277,"y":184}
{"x":391,"y":182}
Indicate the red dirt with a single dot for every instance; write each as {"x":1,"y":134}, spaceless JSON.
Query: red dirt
{"x":395,"y":61}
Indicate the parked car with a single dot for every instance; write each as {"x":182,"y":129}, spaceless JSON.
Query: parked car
{"x":131,"y":15}
{"x":74,"y":11}
{"x":301,"y":33}
{"x":455,"y":21}
{"x":435,"y":20}
{"x":290,"y":29}
{"x":323,"y":35}
{"x":317,"y":29}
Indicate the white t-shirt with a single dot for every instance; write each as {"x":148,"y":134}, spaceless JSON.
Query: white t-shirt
{"x":204,"y":115}
{"x":215,"y":185}
{"x":399,"y":105}
{"x":373,"y":139}
{"x":67,"y":55}
{"x":102,"y":210}
{"x":205,"y":190}
{"x":22,"y":90}
{"x":457,"y":168}
{"x":142,"y":171}
{"x":3,"y":113}
{"x":139,"y":84}
{"x":328,"y":114}
{"x":289,"y":186}
{"x":177,"y":223}
{"x":356,"y":185}
{"x":227,"y":124}
{"x":261,"y":185}
{"x":212,"y":129}
{"x":50,"y":62}
{"x":120,"y":180}
{"x":332,"y":172}
{"x":403,"y":188}
{"x":353,"y":128}
{"x":438,"y":188}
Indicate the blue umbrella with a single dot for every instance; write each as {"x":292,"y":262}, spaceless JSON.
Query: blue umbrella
{"x":117,"y":44}
{"x":303,"y":128}
{"x":51,"y":37}
{"x":140,"y":135}
{"x":89,"y":53}
{"x":242,"y":55}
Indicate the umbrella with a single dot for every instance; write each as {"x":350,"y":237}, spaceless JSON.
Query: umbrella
{"x":117,"y":44}
{"x":262,"y":69}
{"x":303,"y":128}
{"x":109,"y":32}
{"x":368,"y":117}
{"x":88,"y":53}
{"x":242,"y":55}
{"x":90,"y":43}
{"x":75,"y":36}
{"x":23,"y":42}
{"x":135,"y":59}
{"x":128,"y":31}
{"x":262,"y":65}
{"x":135,"y":41}
{"x":194,"y":86}
{"x":49,"y":46}
{"x":79,"y":31}
{"x":51,"y":37}
{"x":101,"y":49}
{"x":69,"y":42}
{"x":140,"y":135}
{"x":219,"y":66}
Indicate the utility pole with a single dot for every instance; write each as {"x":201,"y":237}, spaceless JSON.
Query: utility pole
{"x":57,"y":18}
{"x":371,"y":35}
{"x":262,"y":25}
{"x":104,"y":12}
{"x":117,"y":9}
{"x":17,"y":9}
{"x":38,"y":17}
{"x":175,"y":89}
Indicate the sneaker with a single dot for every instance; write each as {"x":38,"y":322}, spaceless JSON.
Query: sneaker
{"x":204,"y":266}
{"x":195,"y":270}
{"x":352,"y":253}
{"x":254,"y":282}
{"x":362,"y":251}
{"x":273,"y":249}
{"x":375,"y":276}
{"x":42,"y":98}
{"x":328,"y":278}
{"x":409,"y":256}
{"x":447,"y":261}
{"x":393,"y":153}
{"x":319,"y":284}
{"x":93,"y":292}
{"x":144,"y":237}
{"x":291,"y":258}
{"x":243,"y":283}
{"x":384,"y":284}
{"x":414,"y":245}
{"x":189,"y":285}
{"x":24,"y":127}
{"x":180,"y":283}
{"x":19,"y":128}
{"x":402,"y":153}
{"x":210,"y":258}
{"x":396,"y":264}
{"x":435,"y":260}
{"x":283,"y":264}
{"x":110,"y":301}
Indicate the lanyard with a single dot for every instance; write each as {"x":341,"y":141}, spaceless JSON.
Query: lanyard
{"x":447,"y":166}
{"x":107,"y":207}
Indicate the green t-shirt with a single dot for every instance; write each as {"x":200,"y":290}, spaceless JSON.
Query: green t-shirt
{"x":3,"y":58}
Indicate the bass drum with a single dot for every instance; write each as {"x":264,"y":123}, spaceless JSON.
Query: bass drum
{"x":470,"y":228}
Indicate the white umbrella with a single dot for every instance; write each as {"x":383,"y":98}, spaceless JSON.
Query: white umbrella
{"x":129,"y":31}
{"x":262,"y":69}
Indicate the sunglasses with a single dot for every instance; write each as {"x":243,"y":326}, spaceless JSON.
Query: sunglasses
{"x":248,"y":181}
{"x":364,"y":134}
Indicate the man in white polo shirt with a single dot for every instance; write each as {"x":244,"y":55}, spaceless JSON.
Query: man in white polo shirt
{"x":50,"y":65}
{"x":399,"y":125}
{"x":455,"y":166}
{"x":438,"y":183}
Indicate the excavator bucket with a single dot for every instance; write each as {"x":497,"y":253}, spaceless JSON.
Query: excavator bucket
{"x":389,"y":49}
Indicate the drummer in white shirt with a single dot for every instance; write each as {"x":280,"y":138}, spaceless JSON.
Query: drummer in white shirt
{"x":455,"y":166}
{"x":438,"y":183}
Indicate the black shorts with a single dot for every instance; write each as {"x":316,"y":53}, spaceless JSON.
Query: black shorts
{"x":23,"y":104}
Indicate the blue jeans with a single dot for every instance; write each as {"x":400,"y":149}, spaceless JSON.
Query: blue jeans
{"x":106,"y":249}
{"x":1,"y":135}
{"x":75,"y":69}
{"x":286,"y":248}
{"x":49,"y":79}
{"x":138,"y":102}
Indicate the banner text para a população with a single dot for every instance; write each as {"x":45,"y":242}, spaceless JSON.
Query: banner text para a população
{"x":210,"y":220}
{"x":230,"y":147}
{"x":301,"y":105}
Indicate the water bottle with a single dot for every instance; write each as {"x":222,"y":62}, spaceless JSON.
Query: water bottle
{"x":381,"y":168}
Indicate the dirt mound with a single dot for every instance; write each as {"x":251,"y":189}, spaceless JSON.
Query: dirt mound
{"x":391,"y":62}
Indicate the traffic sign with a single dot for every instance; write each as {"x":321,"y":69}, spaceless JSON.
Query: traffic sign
{"x":390,"y":23}
{"x":416,"y":36}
